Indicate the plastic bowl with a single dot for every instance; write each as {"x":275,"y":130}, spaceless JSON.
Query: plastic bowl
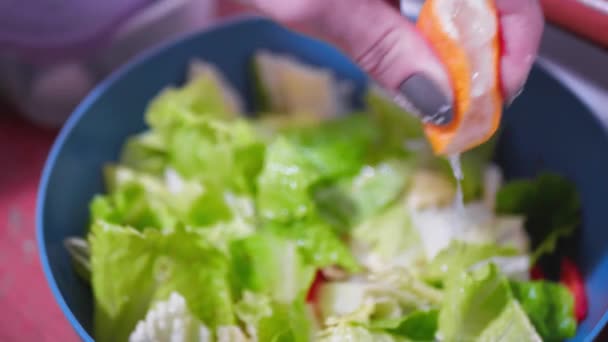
{"x":547,"y":128}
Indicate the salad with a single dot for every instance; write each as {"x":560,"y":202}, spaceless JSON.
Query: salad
{"x":312,"y":221}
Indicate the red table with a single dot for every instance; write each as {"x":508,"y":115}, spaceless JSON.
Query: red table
{"x":29,"y":312}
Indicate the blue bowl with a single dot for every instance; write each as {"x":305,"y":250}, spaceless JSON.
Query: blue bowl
{"x":547,"y":128}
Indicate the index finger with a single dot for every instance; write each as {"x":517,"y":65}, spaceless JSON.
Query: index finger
{"x":522,"y":26}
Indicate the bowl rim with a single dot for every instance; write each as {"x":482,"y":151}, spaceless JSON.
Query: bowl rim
{"x":72,"y":122}
{"x":114,"y":77}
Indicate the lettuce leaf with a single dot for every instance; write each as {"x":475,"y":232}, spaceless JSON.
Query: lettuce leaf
{"x":268,"y":320}
{"x":472,"y":300}
{"x":420,"y":325}
{"x":388,"y":239}
{"x":460,"y":256}
{"x":143,"y":201}
{"x":226,"y":155}
{"x":131,"y":269}
{"x":284,"y":183}
{"x":271,"y":265}
{"x":336,"y":147}
{"x":511,"y":325}
{"x":318,"y":244}
{"x":398,"y":127}
{"x":288,"y":322}
{"x":205,"y":95}
{"x":550,"y":204}
{"x":354,"y":332}
{"x":387,"y":295}
{"x":145,"y":152}
{"x":550,"y":307}
{"x":350,"y":200}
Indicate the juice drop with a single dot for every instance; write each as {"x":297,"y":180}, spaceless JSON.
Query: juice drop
{"x":456,"y":166}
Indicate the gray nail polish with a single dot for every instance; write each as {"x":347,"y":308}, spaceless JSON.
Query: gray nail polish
{"x":427,"y":100}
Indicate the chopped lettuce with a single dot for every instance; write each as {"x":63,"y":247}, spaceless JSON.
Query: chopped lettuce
{"x":171,"y":321}
{"x":131,"y":269}
{"x":319,"y":245}
{"x":476,"y":223}
{"x":351,"y":200}
{"x":353,"y":332}
{"x":267,"y":320}
{"x":205,"y":95}
{"x":387,"y":295}
{"x":480,"y":306}
{"x":472,"y":301}
{"x":388,"y":239}
{"x":430,"y":189}
{"x":337,"y":147}
{"x":284,"y":183}
{"x":550,"y":204}
{"x":307,"y":225}
{"x":227,"y":155}
{"x":288,"y":322}
{"x":144,"y":201}
{"x":145,"y":152}
{"x":550,"y":307}
{"x":287,"y":85}
{"x":420,"y":325}
{"x":80,"y":253}
{"x":511,"y":325}
{"x":268,"y":264}
{"x":459,"y":256}
{"x":402,"y":132}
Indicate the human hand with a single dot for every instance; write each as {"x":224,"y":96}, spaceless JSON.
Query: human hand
{"x":391,"y":49}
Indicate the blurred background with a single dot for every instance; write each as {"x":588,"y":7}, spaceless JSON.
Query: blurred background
{"x":44,"y":76}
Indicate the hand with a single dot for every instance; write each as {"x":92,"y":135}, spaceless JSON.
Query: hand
{"x":389,"y":47}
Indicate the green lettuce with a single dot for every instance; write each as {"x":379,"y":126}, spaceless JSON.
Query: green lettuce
{"x":227,"y":155}
{"x":420,"y":325}
{"x":387,"y":295}
{"x":550,"y":204}
{"x":353,"y":332}
{"x":478,"y":306}
{"x":337,"y":147}
{"x":131,"y":269}
{"x":351,"y":200}
{"x":388,"y":238}
{"x":318,"y":244}
{"x":398,"y":127}
{"x":511,"y":325}
{"x":284,"y":183}
{"x":272,"y":265}
{"x":460,"y":256}
{"x":205,"y":95}
{"x":143,"y":201}
{"x":268,"y":320}
{"x":550,"y":307}
{"x":145,"y":152}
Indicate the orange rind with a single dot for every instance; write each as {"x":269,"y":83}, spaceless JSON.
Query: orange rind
{"x":465,"y":35}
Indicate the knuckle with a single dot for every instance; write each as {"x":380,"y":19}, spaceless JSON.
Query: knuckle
{"x":381,"y":54}
{"x":291,"y":11}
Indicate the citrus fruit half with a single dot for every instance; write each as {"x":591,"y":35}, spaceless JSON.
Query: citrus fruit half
{"x":465,"y":35}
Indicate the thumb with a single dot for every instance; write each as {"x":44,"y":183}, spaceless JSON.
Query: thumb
{"x":382,"y":42}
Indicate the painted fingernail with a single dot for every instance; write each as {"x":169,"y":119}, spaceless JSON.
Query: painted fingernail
{"x":426,"y":99}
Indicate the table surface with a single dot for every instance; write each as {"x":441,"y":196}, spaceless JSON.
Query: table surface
{"x":29,"y":312}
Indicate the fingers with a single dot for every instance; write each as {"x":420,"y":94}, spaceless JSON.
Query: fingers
{"x":522,"y":25}
{"x":386,"y":45}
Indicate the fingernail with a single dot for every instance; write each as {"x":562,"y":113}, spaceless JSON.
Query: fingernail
{"x":426,"y":98}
